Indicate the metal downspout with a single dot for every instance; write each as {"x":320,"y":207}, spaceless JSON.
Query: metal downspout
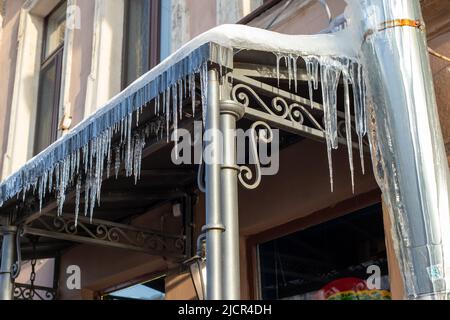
{"x":408,"y":153}
{"x":212,"y":158}
{"x":6,"y":269}
{"x":231,"y":111}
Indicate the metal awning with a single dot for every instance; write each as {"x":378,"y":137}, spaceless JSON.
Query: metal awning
{"x":241,"y":76}
{"x":120,"y":155}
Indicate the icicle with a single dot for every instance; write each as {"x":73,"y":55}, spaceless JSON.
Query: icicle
{"x":139,"y":146}
{"x":167,"y":107}
{"x":356,"y":74}
{"x":288,"y":66}
{"x":312,"y":70}
{"x":42,"y":187}
{"x":50,"y":180}
{"x":86,"y":194}
{"x":180,"y":100}
{"x":315,"y":72}
{"x":157,"y":105}
{"x":294,"y":65}
{"x":204,"y":89}
{"x":77,"y":200}
{"x":108,"y":156}
{"x":137,"y":116}
{"x":117,"y":162}
{"x":279,"y":56}
{"x":129,"y":146}
{"x":348,"y":130}
{"x":192,"y":87}
{"x":175,"y":114}
{"x":330,"y":74}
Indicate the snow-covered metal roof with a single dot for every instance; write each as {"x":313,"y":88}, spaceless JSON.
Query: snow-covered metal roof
{"x":63,"y":157}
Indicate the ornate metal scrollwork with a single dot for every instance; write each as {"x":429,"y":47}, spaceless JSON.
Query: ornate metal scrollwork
{"x":246,"y":175}
{"x":109,"y":234}
{"x":280,"y":107}
{"x":29,"y":292}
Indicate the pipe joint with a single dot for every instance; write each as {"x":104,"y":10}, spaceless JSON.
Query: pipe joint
{"x":232,"y":107}
{"x":7,"y":230}
{"x":212,"y":227}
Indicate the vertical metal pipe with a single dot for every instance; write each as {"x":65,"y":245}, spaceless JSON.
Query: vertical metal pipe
{"x":230,"y":113}
{"x":408,"y":152}
{"x":212,"y":158}
{"x":8,"y":244}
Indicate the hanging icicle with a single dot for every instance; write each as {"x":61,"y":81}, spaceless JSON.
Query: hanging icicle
{"x":204,"y":90}
{"x":330,"y":74}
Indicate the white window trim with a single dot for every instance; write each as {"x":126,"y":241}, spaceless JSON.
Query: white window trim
{"x":104,"y":80}
{"x":26,"y":82}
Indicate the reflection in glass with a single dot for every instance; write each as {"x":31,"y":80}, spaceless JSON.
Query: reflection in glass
{"x":327,"y":261}
{"x":56,"y":28}
{"x":137,"y":38}
{"x":44,"y":119}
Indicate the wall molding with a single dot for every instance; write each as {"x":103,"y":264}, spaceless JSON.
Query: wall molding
{"x":104,"y":80}
{"x":26,"y":84}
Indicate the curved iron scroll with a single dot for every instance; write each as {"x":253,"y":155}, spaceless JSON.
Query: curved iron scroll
{"x":280,"y":107}
{"x":28,"y":292}
{"x":245,"y":174}
{"x":109,"y":234}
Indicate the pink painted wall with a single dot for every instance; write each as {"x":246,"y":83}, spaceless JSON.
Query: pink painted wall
{"x":81,"y":60}
{"x":8,"y":57}
{"x":202,"y":16}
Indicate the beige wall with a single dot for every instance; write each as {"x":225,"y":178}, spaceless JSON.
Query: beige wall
{"x":300,"y":188}
{"x":8,"y":56}
{"x":81,"y":60}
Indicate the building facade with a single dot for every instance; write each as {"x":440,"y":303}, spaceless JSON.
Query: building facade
{"x":60,"y":61}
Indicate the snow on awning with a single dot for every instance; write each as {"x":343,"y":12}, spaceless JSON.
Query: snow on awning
{"x":83,"y":152}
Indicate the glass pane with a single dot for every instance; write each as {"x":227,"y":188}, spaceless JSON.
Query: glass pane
{"x":331,"y":261}
{"x":166,"y":30}
{"x":44,"y":123}
{"x":151,"y":290}
{"x":55,"y":30}
{"x":137,"y":47}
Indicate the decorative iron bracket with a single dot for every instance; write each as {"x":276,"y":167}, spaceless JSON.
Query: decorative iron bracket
{"x":109,"y":234}
{"x":287,"y":111}
{"x":28,"y":292}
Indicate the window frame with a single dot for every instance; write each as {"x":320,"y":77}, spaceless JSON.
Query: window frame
{"x":267,"y":4}
{"x":339,"y":210}
{"x":57,"y":57}
{"x":154,"y":38}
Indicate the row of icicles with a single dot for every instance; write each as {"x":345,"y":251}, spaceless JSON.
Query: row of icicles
{"x":89,"y":163}
{"x":331,"y":69}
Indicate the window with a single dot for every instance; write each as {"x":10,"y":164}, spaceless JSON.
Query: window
{"x":141,"y":38}
{"x":333,"y":260}
{"x":50,"y":78}
{"x":151,"y":290}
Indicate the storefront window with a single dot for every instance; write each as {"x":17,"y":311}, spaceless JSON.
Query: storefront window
{"x":344,"y":259}
{"x":150,"y":290}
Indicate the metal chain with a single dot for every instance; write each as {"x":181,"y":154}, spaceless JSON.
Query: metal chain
{"x":33,"y":261}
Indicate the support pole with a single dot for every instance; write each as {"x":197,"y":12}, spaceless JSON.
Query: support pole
{"x":230,"y":113}
{"x":212,"y":158}
{"x":8,"y":245}
{"x":408,"y":152}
